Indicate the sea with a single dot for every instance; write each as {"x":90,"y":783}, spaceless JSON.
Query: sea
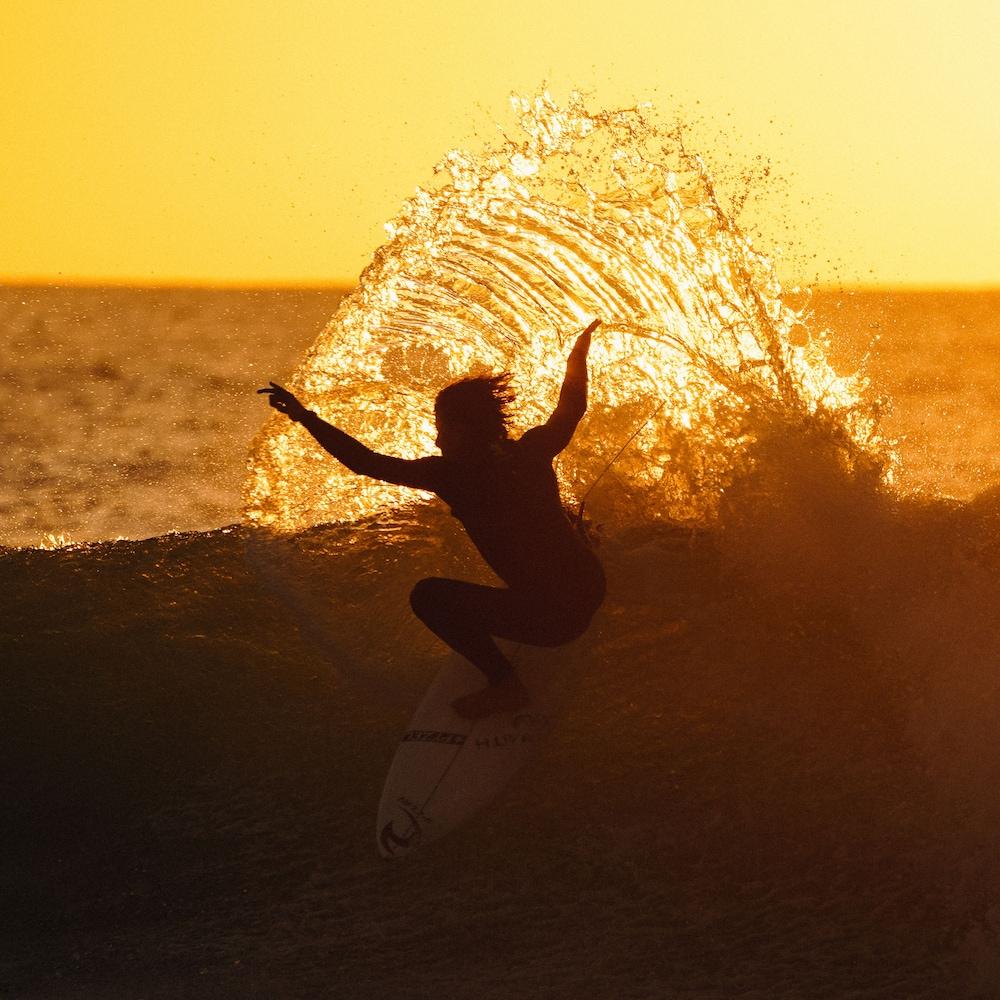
{"x":774,"y":773}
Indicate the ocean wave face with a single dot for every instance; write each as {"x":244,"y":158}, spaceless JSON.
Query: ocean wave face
{"x":498,"y":264}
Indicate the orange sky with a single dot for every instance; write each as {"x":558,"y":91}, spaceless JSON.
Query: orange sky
{"x":261,"y":142}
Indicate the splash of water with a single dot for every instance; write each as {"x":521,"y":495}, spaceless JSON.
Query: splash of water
{"x":500,"y":263}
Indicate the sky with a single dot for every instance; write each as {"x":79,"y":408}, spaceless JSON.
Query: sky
{"x":247,"y":142}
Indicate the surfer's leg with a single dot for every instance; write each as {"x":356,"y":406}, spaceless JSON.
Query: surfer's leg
{"x":461,"y":614}
{"x":467,"y":616}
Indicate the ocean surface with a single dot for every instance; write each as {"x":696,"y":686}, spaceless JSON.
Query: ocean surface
{"x":127,"y":413}
{"x":775,"y":771}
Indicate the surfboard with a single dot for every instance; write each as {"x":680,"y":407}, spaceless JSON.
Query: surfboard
{"x":447,"y":768}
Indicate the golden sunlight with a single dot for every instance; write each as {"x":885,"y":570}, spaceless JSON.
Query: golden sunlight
{"x":499,"y":267}
{"x":253,"y":143}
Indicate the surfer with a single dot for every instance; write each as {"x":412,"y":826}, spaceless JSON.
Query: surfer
{"x":505,"y":494}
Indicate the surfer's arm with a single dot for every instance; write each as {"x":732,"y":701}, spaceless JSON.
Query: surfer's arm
{"x":557,"y":431}
{"x":417,"y":473}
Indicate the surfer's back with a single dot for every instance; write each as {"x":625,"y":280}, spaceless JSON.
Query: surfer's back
{"x":509,"y":504}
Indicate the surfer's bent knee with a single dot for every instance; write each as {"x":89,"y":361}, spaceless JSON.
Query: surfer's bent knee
{"x":425,"y":597}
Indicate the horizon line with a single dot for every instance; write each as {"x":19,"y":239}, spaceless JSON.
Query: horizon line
{"x":333,"y":286}
{"x":35,"y":281}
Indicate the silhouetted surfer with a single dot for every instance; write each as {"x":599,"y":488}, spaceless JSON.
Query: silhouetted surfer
{"x":505,"y":493}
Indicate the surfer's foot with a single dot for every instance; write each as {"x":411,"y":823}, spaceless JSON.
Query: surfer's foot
{"x":507,"y":696}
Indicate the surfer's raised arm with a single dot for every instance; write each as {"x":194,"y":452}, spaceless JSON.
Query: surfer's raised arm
{"x":419,"y":473}
{"x":557,"y":431}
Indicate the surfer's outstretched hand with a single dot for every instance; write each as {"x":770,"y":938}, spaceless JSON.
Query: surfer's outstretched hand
{"x":284,"y":401}
{"x":583,"y":341}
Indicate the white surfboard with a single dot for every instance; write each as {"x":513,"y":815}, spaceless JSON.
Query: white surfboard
{"x":447,"y":768}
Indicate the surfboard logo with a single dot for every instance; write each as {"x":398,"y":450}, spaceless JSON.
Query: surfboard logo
{"x":433,"y":736}
{"x":392,"y":841}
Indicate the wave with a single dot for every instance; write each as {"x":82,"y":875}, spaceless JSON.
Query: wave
{"x":497,"y":265}
{"x":780,"y":733}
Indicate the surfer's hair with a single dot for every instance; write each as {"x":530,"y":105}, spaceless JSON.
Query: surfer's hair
{"x":479,"y":402}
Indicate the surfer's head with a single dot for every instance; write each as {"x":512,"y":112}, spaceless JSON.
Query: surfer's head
{"x":471,"y":414}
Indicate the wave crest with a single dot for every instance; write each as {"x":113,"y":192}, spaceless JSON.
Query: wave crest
{"x":502,"y":260}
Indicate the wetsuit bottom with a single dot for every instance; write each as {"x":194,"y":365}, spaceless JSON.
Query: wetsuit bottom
{"x":468,"y":615}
